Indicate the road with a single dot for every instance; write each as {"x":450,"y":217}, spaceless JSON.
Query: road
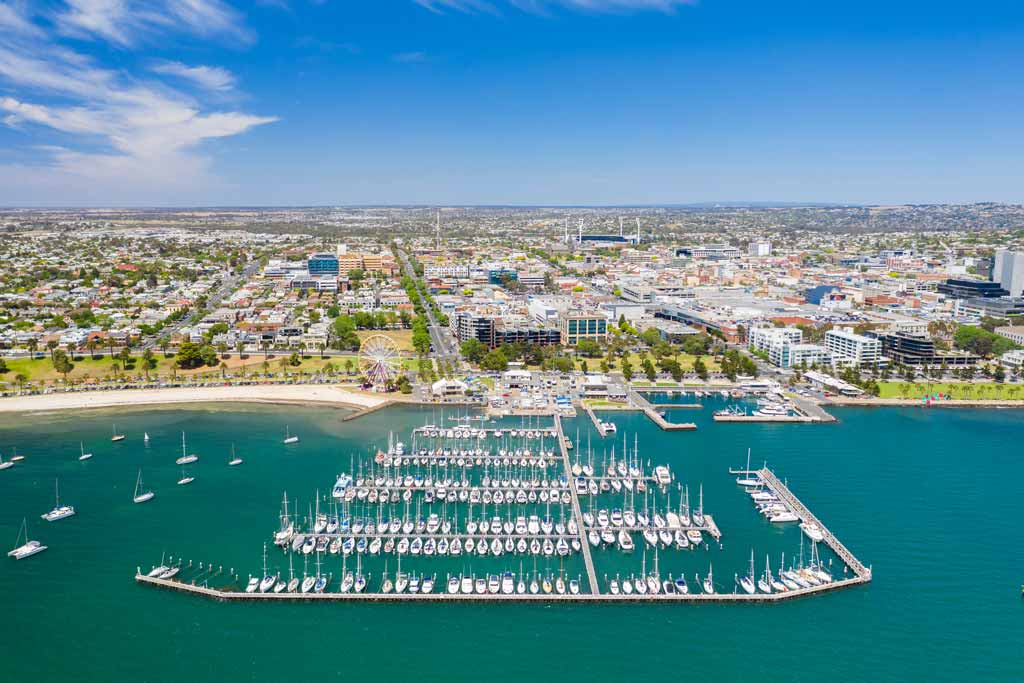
{"x":444,"y":346}
{"x":227,"y":287}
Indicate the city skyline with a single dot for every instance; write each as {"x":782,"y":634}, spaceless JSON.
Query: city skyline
{"x":561,"y":102}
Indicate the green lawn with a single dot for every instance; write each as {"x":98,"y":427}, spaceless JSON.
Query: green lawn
{"x":957,"y":390}
{"x":41,"y":369}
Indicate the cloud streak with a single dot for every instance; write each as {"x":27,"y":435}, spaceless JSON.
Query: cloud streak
{"x":544,"y":6}
{"x":109,"y":130}
{"x":126,"y":23}
{"x":212,"y":78}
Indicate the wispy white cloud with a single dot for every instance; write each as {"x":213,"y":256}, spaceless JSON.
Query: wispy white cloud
{"x":410,"y":57}
{"x":14,"y":18}
{"x":110,"y":131}
{"x":212,"y":78}
{"x":129,"y":22}
{"x":543,"y":6}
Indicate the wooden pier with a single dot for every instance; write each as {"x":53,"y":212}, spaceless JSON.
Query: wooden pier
{"x":649,"y":410}
{"x":228,"y":594}
{"x":577,"y":512}
{"x":782,"y":491}
{"x":597,"y":423}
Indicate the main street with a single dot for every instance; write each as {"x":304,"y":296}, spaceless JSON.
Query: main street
{"x":444,"y":347}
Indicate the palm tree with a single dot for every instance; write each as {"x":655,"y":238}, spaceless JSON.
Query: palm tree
{"x":52,"y":346}
{"x":240,"y":347}
{"x":33,"y":346}
{"x":266,"y":347}
{"x":223,"y":369}
{"x":322,"y":346}
{"x":91,"y":346}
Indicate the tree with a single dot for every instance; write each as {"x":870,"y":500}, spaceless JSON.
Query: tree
{"x":61,"y":363}
{"x":627,"y":369}
{"x":148,"y":361}
{"x":700,"y":369}
{"x":473,"y":350}
{"x":404,"y":385}
{"x":295,"y":360}
{"x":209,"y":355}
{"x":240,"y":347}
{"x":349,"y":365}
{"x":494,"y":361}
{"x":649,"y":370}
{"x":588,"y":348}
{"x":223,"y":369}
{"x":33,"y":346}
{"x":189,"y":356}
{"x":650,"y":336}
{"x":52,"y":346}
{"x":3,"y":367}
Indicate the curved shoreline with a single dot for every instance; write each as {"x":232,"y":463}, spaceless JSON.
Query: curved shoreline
{"x":916,"y":402}
{"x":298,"y":394}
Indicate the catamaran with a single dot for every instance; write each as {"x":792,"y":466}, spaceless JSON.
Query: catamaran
{"x":185,"y":459}
{"x":28,"y":548}
{"x":84,"y":455}
{"x":59,"y":511}
{"x":235,"y":460}
{"x":116,"y":436}
{"x":145,"y":495}
{"x":288,"y":438}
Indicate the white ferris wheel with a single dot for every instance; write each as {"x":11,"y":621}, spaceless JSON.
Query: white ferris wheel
{"x":379,"y":359}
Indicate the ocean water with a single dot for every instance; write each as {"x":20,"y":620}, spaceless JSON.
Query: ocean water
{"x":929,"y":498}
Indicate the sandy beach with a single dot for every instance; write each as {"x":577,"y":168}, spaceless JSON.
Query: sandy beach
{"x":270,"y":393}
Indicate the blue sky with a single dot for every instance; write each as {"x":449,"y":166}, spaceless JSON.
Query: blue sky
{"x":298,"y":102}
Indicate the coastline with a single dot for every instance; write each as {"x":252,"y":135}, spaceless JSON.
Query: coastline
{"x":912,"y":402}
{"x":299,"y":394}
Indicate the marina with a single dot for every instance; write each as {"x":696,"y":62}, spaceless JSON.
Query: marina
{"x":404,"y":505}
{"x":225,"y":516}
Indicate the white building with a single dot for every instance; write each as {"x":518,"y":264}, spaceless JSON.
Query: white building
{"x":849,"y":348}
{"x":759,"y":249}
{"x":1008,"y":271}
{"x":1014,"y":333}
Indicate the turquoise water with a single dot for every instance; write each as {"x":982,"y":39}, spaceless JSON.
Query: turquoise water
{"x":930,"y":499}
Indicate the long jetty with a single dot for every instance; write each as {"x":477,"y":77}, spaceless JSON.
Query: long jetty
{"x":230,"y":595}
{"x":800,"y":510}
{"x":641,"y":402}
{"x":577,"y":511}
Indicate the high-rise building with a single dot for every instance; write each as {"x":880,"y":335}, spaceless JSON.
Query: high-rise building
{"x":849,"y":348}
{"x":1008,"y":271}
{"x":759,"y":248}
{"x":322,"y":264}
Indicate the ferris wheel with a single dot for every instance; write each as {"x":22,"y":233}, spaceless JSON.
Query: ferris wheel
{"x":379,"y":359}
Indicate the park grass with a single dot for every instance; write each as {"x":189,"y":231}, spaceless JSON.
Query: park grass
{"x":403,"y":338}
{"x":40,"y":370}
{"x":685,"y":361}
{"x":969,"y":391}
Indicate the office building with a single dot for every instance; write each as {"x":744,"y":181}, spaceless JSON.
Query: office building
{"x":577,"y":325}
{"x":759,"y":249}
{"x":920,"y":351}
{"x":955,"y":288}
{"x":1014,"y":333}
{"x":1008,"y":271}
{"x":849,"y":348}
{"x":322,"y":265}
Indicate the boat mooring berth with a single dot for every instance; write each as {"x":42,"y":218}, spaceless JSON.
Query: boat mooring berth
{"x":451,"y":495}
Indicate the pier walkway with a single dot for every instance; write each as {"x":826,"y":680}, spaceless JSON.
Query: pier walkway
{"x":577,"y":512}
{"x":782,"y":491}
{"x":597,"y":423}
{"x":637,"y":399}
{"x":229,"y":595}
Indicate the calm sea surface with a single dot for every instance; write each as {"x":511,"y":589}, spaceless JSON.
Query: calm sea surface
{"x":932,"y":499}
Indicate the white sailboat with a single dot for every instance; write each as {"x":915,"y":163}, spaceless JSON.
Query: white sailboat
{"x":116,"y":436}
{"x":745,"y":480}
{"x":185,"y":459}
{"x":5,"y":464}
{"x":288,"y":438}
{"x":84,"y":455}
{"x":235,"y":460}
{"x":28,"y":548}
{"x":145,"y":495}
{"x":145,"y":438}
{"x":185,"y":479}
{"x":59,"y":511}
{"x":15,"y":457}
{"x":709,"y":581}
{"x":747,"y":582}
